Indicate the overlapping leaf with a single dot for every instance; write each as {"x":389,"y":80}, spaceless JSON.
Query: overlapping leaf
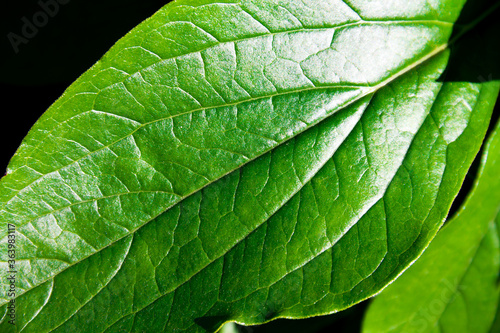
{"x":241,"y":161}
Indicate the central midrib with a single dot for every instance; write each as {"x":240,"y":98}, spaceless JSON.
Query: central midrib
{"x":369,"y":90}
{"x":306,"y":261}
{"x":354,"y":100}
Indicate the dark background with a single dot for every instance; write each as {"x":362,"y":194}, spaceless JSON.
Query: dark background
{"x":64,"y":47}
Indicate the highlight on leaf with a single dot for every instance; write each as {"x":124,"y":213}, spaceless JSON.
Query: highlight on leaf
{"x":248,"y":160}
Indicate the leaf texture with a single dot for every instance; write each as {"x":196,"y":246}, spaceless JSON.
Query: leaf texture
{"x":453,"y":285}
{"x":241,"y":161}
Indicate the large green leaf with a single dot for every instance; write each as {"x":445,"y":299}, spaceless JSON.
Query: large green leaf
{"x":453,"y":285}
{"x":241,"y":161}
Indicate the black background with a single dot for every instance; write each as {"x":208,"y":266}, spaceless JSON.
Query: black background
{"x":66,"y":46}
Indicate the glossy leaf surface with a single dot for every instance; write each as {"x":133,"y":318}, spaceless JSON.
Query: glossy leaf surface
{"x":453,"y":285}
{"x":241,"y":161}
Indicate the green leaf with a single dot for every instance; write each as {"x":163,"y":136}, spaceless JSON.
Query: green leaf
{"x":453,"y":285}
{"x":240,"y":161}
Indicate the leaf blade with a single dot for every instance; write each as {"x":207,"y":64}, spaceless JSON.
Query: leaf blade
{"x":202,"y":253}
{"x":133,"y":169}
